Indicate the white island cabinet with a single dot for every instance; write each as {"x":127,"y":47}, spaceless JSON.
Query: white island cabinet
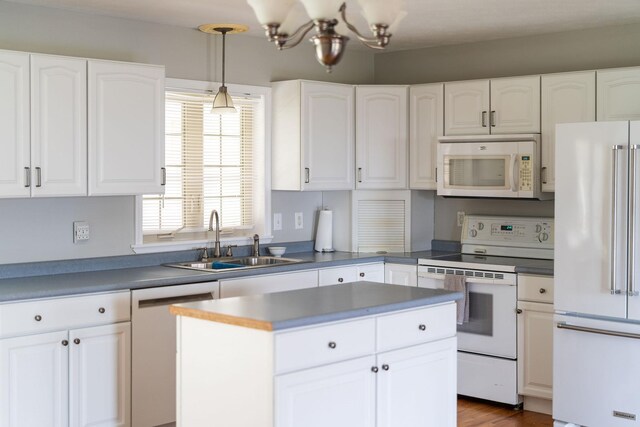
{"x":354,"y":355}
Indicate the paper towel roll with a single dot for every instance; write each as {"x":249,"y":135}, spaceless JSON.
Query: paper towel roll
{"x":324,"y":233}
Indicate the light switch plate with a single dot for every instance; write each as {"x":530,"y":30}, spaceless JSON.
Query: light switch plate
{"x":298,"y":220}
{"x":80,"y":231}
{"x":277,"y":221}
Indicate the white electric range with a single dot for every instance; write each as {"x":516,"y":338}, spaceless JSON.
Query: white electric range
{"x":492,"y":247}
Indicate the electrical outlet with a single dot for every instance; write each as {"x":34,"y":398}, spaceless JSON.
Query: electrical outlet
{"x":277,"y":221}
{"x":460,"y":218}
{"x":80,"y":231}
{"x":298,"y":220}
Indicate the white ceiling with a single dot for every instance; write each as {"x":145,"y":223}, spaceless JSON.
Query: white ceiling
{"x":429,"y":22}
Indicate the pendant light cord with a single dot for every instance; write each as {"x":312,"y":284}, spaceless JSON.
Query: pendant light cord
{"x":224,"y":35}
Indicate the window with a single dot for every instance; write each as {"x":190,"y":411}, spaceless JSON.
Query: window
{"x":212,"y":161}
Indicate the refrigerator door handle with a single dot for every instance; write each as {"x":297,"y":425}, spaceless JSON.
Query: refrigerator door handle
{"x":631,"y":238}
{"x":564,"y":325}
{"x":614,"y":215}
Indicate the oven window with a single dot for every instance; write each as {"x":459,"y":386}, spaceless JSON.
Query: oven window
{"x":480,"y":315}
{"x":476,"y":172}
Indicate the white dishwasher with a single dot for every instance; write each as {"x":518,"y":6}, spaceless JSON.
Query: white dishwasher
{"x":153,"y":378}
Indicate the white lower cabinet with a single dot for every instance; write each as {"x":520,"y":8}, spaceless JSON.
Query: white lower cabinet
{"x":352,"y":273}
{"x":73,"y":377}
{"x":401,"y":274}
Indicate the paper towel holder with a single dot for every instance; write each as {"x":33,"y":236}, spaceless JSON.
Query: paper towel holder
{"x":324,"y":231}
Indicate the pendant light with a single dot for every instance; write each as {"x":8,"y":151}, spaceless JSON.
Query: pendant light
{"x":222,"y":103}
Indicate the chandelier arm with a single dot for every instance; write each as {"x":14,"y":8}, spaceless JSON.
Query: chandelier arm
{"x":373,"y":43}
{"x":285,"y":41}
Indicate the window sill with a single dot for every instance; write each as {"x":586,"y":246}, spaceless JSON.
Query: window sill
{"x":185,"y":245}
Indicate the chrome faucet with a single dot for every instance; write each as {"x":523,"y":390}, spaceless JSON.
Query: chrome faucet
{"x":256,"y":245}
{"x":216,"y":248}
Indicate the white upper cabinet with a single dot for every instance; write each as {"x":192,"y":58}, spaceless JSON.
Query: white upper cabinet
{"x":381,"y":137}
{"x":313,"y":136}
{"x":58,"y":126}
{"x":126,"y":128}
{"x":619,"y":94}
{"x":566,"y":98}
{"x":426,"y":111}
{"x":467,"y":108}
{"x":499,"y":106}
{"x":14,"y":124}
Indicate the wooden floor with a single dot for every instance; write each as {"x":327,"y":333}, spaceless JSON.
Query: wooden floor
{"x":472,"y":413}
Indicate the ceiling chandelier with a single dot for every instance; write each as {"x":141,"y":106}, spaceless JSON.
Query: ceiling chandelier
{"x":383,"y":17}
{"x":222,"y":103}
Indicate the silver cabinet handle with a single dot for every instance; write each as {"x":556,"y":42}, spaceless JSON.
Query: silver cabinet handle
{"x":422,"y":327}
{"x":332,"y":345}
{"x":27,"y":176}
{"x":76,"y":341}
{"x":484,"y":119}
{"x":306,"y":175}
{"x":164,"y":176}
{"x":542,"y":291}
{"x":38,"y":177}
{"x":101,"y":310}
{"x":374,"y":369}
{"x":631,"y":237}
{"x":340,"y":280}
{"x":359,"y":174}
{"x":564,"y":325}
{"x":544,"y":174}
{"x":614,"y":214}
{"x":361,"y":274}
{"x":65,"y":343}
{"x":385,"y":367}
{"x":518,"y":310}
{"x":38,"y":318}
{"x":492,"y":119}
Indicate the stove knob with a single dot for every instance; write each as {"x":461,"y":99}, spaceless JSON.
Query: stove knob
{"x":543,"y":237}
{"x":480,"y":226}
{"x":538,"y":228}
{"x":473,"y":233}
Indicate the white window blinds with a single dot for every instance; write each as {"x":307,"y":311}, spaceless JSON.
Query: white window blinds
{"x":210,"y":165}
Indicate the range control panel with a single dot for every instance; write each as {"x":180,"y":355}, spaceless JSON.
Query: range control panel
{"x":525,"y":232}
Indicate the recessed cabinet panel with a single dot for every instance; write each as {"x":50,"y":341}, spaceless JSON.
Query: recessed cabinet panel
{"x":467,"y":108}
{"x":58,"y":126}
{"x":14,"y":124}
{"x":535,"y":349}
{"x":381,"y":137}
{"x":126,"y":128}
{"x":515,"y":105}
{"x":618,"y":94}
{"x":426,"y":116}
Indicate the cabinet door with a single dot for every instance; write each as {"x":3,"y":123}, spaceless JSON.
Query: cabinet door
{"x":515,"y":105}
{"x":618,"y":94}
{"x":100,"y":376}
{"x":426,"y":111}
{"x":535,"y":349}
{"x":265,"y":284}
{"x":401,"y":274}
{"x":34,"y":385}
{"x":14,"y":124}
{"x":566,"y":98}
{"x":381,"y":137}
{"x":58,"y":126}
{"x":335,"y":276}
{"x":328,"y":135}
{"x":126,"y":128}
{"x":417,"y":386}
{"x":338,"y":395}
{"x":466,"y":108}
{"x":371,"y":272}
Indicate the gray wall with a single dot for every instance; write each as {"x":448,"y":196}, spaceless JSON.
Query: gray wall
{"x":35,"y":230}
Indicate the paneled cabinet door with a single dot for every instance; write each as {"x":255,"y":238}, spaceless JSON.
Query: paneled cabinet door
{"x":466,"y":108}
{"x":338,"y":395}
{"x":58,"y":126}
{"x":100,"y":376}
{"x":566,"y":98}
{"x":381,"y":137}
{"x":417,"y":386}
{"x":327,"y":128}
{"x":371,"y":272}
{"x":618,"y":94}
{"x":34,"y":380}
{"x":401,"y":274}
{"x":515,"y":105}
{"x":14,"y":124}
{"x":426,"y":110}
{"x":535,"y":349}
{"x":126,"y":128}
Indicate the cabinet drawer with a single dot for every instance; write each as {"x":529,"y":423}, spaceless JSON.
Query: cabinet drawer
{"x":38,"y":316}
{"x":335,"y":276}
{"x":416,"y":326}
{"x":535,"y":288}
{"x":324,"y":344}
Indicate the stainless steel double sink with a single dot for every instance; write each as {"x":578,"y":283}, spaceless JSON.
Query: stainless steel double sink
{"x":236,"y":263}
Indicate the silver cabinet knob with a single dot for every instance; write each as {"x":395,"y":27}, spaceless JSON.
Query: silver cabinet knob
{"x":101,"y":310}
{"x":332,"y":345}
{"x":542,"y":291}
{"x":374,"y":369}
{"x":519,"y":311}
{"x":76,"y":341}
{"x":422,"y":327}
{"x":65,"y":343}
{"x":361,"y":274}
{"x":385,"y":367}
{"x":38,"y":318}
{"x":340,"y":280}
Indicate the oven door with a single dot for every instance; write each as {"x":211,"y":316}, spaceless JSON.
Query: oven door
{"x":491,"y":329}
{"x":485,"y":169}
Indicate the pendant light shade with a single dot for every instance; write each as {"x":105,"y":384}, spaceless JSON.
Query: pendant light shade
{"x":223,"y":103}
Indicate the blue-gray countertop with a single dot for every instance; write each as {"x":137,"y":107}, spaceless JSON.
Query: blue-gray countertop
{"x":304,"y":307}
{"x":45,"y":286}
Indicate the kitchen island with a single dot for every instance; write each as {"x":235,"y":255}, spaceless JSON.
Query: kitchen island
{"x":353,"y":355}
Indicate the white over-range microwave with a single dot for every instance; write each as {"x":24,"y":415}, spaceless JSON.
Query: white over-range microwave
{"x":490,"y":166}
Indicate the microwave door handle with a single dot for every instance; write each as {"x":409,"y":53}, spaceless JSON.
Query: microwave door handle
{"x":514,"y":184}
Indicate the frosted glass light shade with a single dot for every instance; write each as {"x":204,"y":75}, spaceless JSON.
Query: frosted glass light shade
{"x":380,"y":11}
{"x":271,"y":11}
{"x":222,"y":103}
{"x":395,"y":24}
{"x":322,"y":9}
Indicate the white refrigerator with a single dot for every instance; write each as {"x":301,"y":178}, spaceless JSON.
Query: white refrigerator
{"x":596,"y":356}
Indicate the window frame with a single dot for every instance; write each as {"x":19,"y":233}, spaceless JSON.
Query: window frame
{"x":262,"y":201}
